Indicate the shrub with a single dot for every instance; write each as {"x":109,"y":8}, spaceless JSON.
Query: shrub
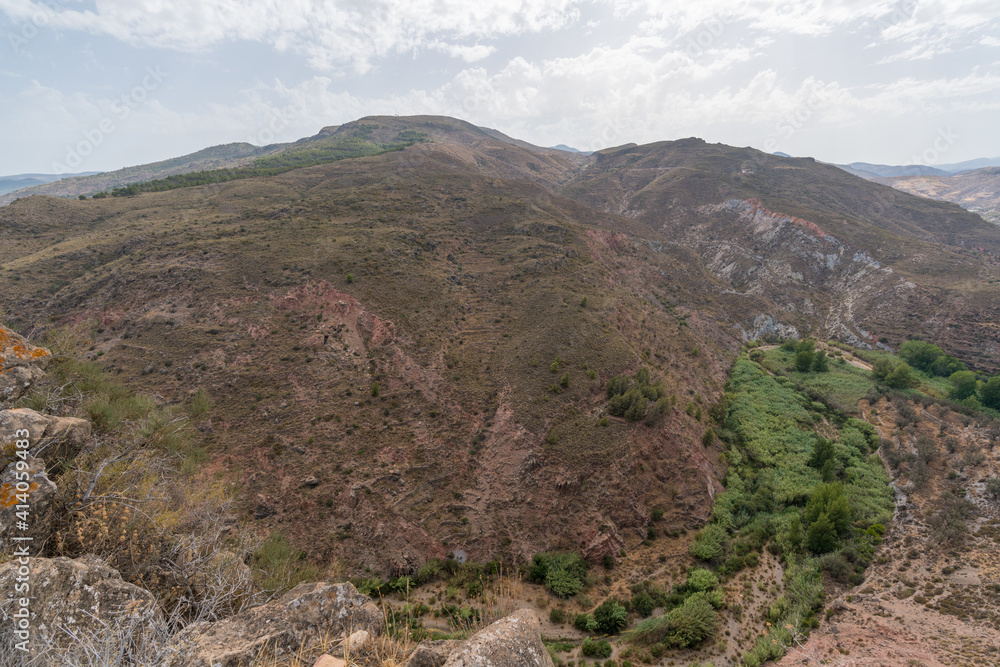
{"x":611,"y":617}
{"x":992,"y":487}
{"x":803,"y":361}
{"x":700,"y":579}
{"x":585,"y":623}
{"x":709,"y":544}
{"x":350,"y":278}
{"x":557,"y":615}
{"x":563,"y":574}
{"x":598,"y":649}
{"x":963,"y":384}
{"x":821,"y":536}
{"x":643,"y":604}
{"x":691,"y":623}
{"x":617,"y":386}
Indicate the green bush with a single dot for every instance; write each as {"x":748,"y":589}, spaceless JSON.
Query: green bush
{"x":564,"y":574}
{"x":598,"y":649}
{"x":585,"y":623}
{"x":557,"y":615}
{"x":611,"y":617}
{"x":709,"y":544}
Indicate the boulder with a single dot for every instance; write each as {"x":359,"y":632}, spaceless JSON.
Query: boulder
{"x":433,"y":653}
{"x":513,"y":641}
{"x":20,"y":365}
{"x":75,"y":600}
{"x":309,"y":611}
{"x":54,"y":439}
{"x":40,"y":493}
{"x":327,"y":660}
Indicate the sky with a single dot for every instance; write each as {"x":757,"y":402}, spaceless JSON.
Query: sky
{"x":95,"y":85}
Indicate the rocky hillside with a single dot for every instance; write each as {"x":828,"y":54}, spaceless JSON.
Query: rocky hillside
{"x":977,"y":190}
{"x":417,"y":344}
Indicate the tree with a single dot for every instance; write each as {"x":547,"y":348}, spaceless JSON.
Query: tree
{"x":882,"y":368}
{"x":823,"y":451}
{"x":830,"y":499}
{"x":803,"y":361}
{"x":989,"y":394}
{"x":963,"y":384}
{"x":821,"y":363}
{"x":611,"y":617}
{"x":806,"y":345}
{"x":902,"y":377}
{"x":821,"y":536}
{"x":919,"y":354}
{"x":795,"y":532}
{"x":945,"y":365}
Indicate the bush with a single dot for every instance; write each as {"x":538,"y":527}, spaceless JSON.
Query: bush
{"x":699,"y":579}
{"x":803,"y":361}
{"x":598,"y":649}
{"x":691,"y":623}
{"x":585,"y":623}
{"x":709,"y":544}
{"x":557,"y":615}
{"x":611,"y":617}
{"x":992,"y":487}
{"x":563,"y":574}
{"x":643,"y":604}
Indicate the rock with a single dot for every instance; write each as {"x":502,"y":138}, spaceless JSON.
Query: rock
{"x":64,"y":438}
{"x":308,"y":611}
{"x":310,"y":482}
{"x":514,"y":641}
{"x":433,"y":653}
{"x":356,"y":641}
{"x":84,"y":597}
{"x":54,"y":439}
{"x":327,"y":660}
{"x":20,"y":365}
{"x":41,"y":491}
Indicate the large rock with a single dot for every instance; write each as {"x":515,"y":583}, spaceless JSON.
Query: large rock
{"x":513,"y":641}
{"x":433,"y":653}
{"x":54,"y":439}
{"x":307,"y":612}
{"x":37,"y":492}
{"x":20,"y":365}
{"x":83,"y":598}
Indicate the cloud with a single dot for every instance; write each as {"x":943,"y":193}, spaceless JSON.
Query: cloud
{"x":329,"y":34}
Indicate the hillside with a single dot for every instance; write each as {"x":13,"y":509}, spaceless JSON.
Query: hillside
{"x":977,"y":190}
{"x":216,"y":157}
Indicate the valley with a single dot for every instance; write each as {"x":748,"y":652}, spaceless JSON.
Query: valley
{"x":401,"y":365}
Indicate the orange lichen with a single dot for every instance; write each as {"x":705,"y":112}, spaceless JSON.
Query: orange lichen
{"x":13,"y":347}
{"x":8,"y":494}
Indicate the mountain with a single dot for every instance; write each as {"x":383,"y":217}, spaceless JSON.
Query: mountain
{"x":407,"y":337}
{"x":20,"y":181}
{"x":216,"y":157}
{"x":977,"y":190}
{"x":568,"y":149}
{"x":969,"y":165}
{"x":868,"y":170}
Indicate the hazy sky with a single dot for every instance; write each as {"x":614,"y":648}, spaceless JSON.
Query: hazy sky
{"x":100,"y":84}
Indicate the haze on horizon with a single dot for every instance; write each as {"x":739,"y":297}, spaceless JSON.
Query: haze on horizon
{"x":95,"y":85}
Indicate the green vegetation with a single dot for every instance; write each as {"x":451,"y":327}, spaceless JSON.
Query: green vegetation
{"x":631,"y":397}
{"x":358,"y":144}
{"x":804,"y":494}
{"x":564,"y":574}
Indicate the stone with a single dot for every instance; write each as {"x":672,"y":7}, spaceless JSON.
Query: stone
{"x":310,"y":482}
{"x":38,"y":496}
{"x":356,"y":641}
{"x":78,"y":599}
{"x":309,"y":611}
{"x":54,"y":439}
{"x":513,"y":641}
{"x":20,"y":365}
{"x":433,"y":653}
{"x":327,"y":660}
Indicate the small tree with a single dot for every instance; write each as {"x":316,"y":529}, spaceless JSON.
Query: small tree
{"x":803,"y":361}
{"x":989,"y":394}
{"x":821,"y":536}
{"x":611,"y":617}
{"x":963,"y":384}
{"x":821,"y":363}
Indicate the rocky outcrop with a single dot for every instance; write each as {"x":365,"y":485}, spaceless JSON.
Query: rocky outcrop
{"x":433,"y":653}
{"x":37,"y":492}
{"x":20,"y":365}
{"x":513,"y":641}
{"x":54,"y":439}
{"x":308,"y":611}
{"x":78,"y":599}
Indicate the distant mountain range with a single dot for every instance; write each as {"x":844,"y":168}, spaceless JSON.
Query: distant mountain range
{"x":21,"y":181}
{"x":872,"y":171}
